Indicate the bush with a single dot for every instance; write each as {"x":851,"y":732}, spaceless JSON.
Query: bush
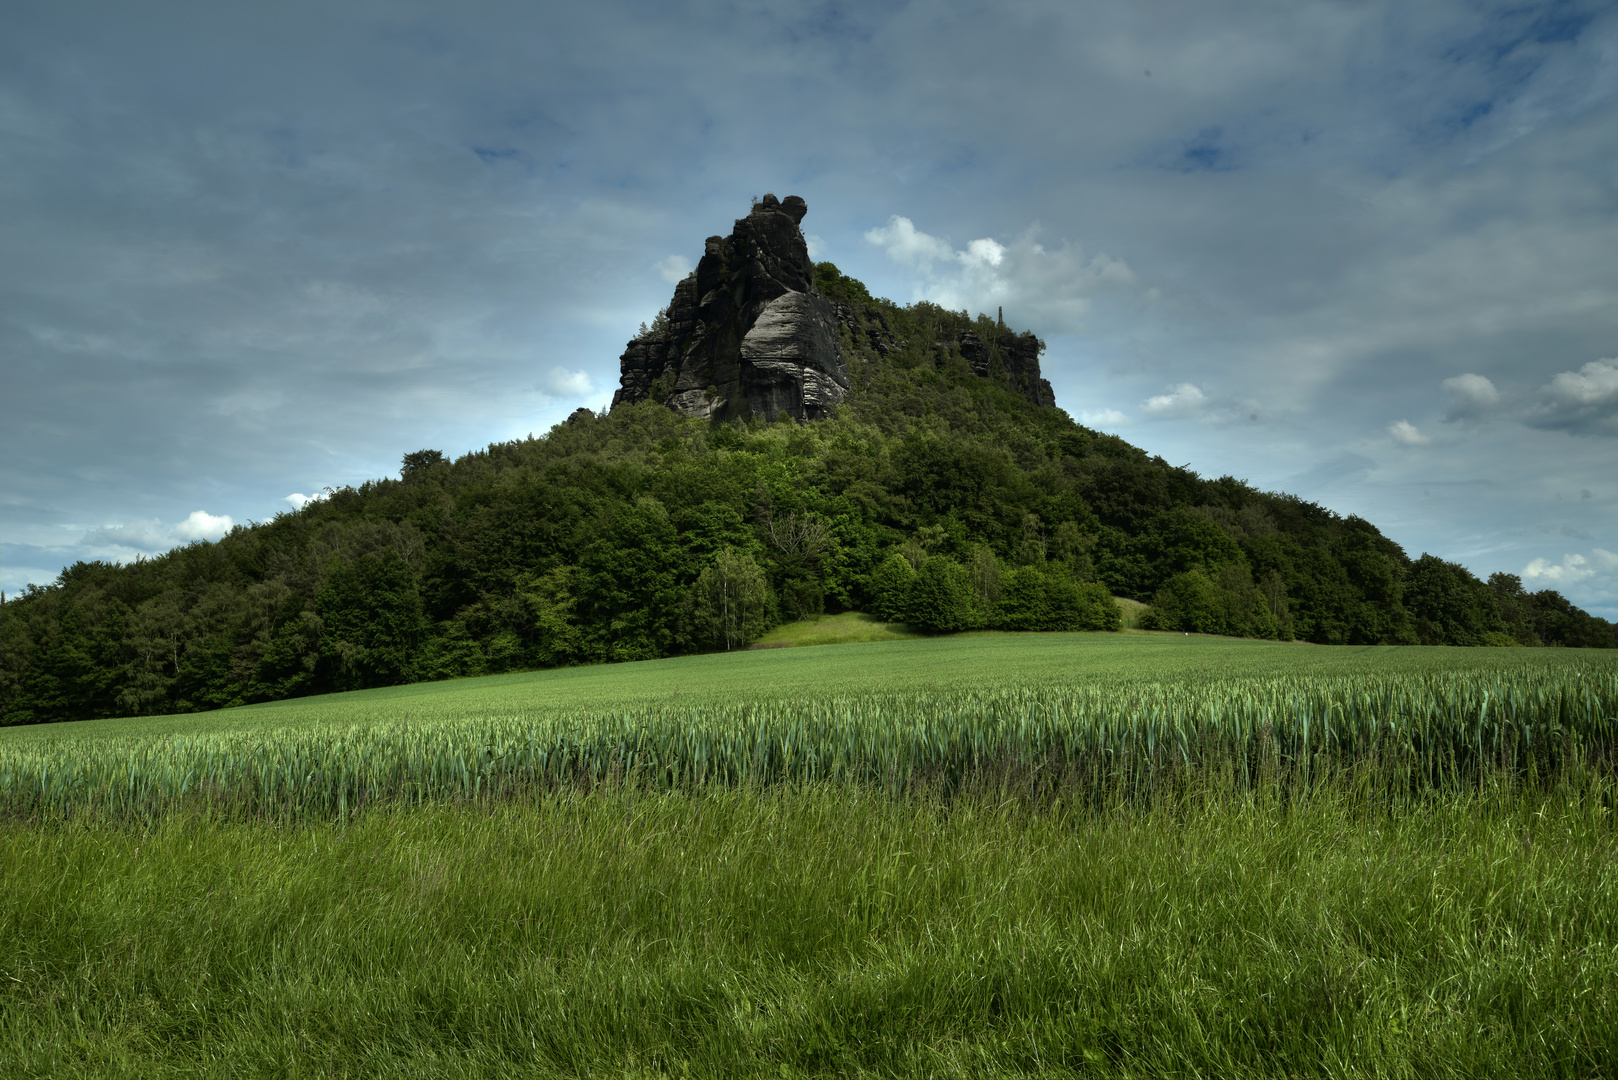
{"x":1187,"y":602}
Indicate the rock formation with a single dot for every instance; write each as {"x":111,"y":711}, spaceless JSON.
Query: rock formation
{"x":746,"y":334}
{"x":1017,"y":364}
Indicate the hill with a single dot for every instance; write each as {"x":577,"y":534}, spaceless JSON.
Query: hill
{"x":783,"y":444}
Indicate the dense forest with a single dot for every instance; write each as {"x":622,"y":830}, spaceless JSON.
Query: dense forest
{"x":933,"y":496}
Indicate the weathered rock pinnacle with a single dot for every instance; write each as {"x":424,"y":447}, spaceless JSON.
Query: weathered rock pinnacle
{"x":746,"y":334}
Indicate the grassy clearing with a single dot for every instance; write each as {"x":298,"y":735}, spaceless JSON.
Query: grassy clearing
{"x":818,"y":930}
{"x":847,"y":628}
{"x":1129,"y":611}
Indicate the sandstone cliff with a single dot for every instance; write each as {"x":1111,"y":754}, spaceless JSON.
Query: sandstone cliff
{"x":746,"y":334}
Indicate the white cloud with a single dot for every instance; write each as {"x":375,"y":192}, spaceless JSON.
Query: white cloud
{"x":155,"y":535}
{"x":674,"y":268}
{"x":201,"y":525}
{"x":1606,"y":561}
{"x":1050,"y":289}
{"x":1407,"y":434}
{"x":298,"y":500}
{"x":907,"y":245}
{"x":815,"y":244}
{"x":1104,"y":418}
{"x":1584,"y":402}
{"x":1467,"y":396}
{"x":984,"y":253}
{"x":1572,"y":568}
{"x":1182,"y":400}
{"x":561,"y":383}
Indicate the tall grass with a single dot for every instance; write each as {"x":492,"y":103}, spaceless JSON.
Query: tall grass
{"x":1400,"y":731}
{"x":819,"y":929}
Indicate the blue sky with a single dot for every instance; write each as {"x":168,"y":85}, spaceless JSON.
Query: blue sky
{"x":1364,"y":253}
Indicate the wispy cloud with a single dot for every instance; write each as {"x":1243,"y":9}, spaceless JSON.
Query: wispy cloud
{"x":1103,"y":418}
{"x":674,"y":269}
{"x":151,"y":535}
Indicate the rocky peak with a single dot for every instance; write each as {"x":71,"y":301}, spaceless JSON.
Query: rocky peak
{"x":746,"y":333}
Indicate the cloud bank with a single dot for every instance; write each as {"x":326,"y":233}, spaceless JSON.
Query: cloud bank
{"x":254,"y":249}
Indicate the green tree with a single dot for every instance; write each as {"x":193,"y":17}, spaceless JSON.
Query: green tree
{"x":372,"y":621}
{"x":549,"y":621}
{"x":1188,"y":601}
{"x":732,"y":604}
{"x":890,"y":588}
{"x":1036,"y":599}
{"x":630,"y":596}
{"x":940,"y":598}
{"x":1096,"y":610}
{"x":984,"y":573}
{"x":1449,"y":606}
{"x":1176,"y":541}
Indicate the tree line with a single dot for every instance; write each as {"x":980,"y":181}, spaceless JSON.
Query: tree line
{"x":934,"y":497}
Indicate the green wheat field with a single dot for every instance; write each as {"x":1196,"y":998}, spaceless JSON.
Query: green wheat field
{"x":981,"y":855}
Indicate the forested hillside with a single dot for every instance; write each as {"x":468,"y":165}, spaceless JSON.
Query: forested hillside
{"x":937,"y":494}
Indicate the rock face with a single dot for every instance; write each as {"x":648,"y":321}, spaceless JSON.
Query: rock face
{"x":746,"y":334}
{"x":1018,"y":364}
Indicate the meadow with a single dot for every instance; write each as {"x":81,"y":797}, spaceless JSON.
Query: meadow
{"x":1000,"y":854}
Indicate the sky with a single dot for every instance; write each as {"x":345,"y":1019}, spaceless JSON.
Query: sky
{"x":1364,"y":253}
